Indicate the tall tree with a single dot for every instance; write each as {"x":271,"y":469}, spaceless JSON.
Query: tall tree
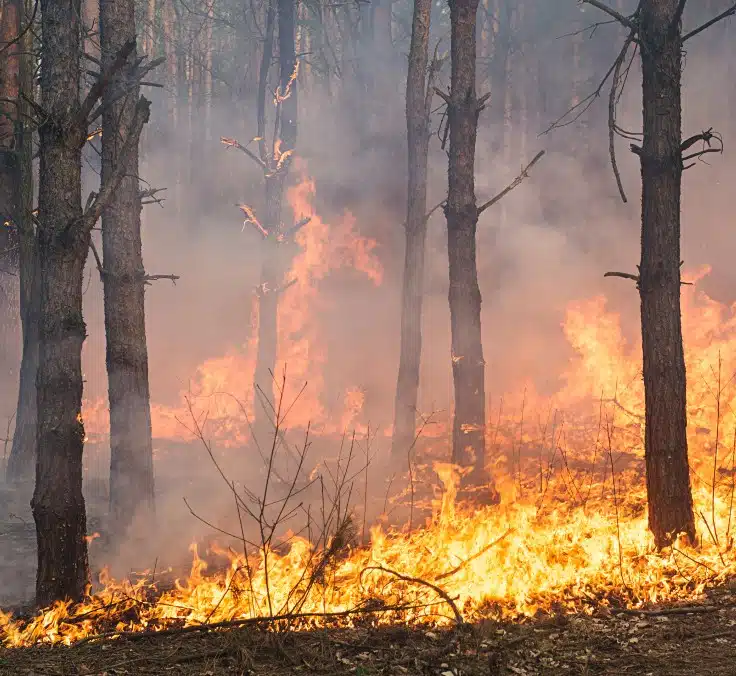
{"x":64,"y":230}
{"x":275,"y":163}
{"x":468,"y":365}
{"x":665,"y":437}
{"x":17,"y":191}
{"x":124,"y":278}
{"x":656,"y":29}
{"x":418,"y":101}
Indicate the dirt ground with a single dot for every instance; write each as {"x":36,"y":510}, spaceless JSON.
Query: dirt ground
{"x":684,"y":641}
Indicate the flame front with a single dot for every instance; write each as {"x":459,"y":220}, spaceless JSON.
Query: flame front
{"x":570,"y":532}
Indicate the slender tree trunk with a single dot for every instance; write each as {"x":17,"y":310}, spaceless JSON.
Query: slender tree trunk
{"x":468,"y":366}
{"x":668,"y":476}
{"x":417,"y":125}
{"x":131,"y":452}
{"x":17,"y":207}
{"x":58,"y":503}
{"x":273,"y":262}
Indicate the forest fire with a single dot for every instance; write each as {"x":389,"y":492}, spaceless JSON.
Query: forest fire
{"x":222,"y":388}
{"x":570,"y":533}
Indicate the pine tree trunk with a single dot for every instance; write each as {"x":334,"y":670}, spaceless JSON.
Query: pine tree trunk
{"x":668,"y":476}
{"x":58,"y":503}
{"x":468,"y":366}
{"x":131,"y":452}
{"x":417,"y":124}
{"x":17,"y":206}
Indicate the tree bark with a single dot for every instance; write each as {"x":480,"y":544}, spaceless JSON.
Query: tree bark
{"x":64,"y":231}
{"x":131,"y":450}
{"x":468,"y":366}
{"x":668,"y":476}
{"x":17,"y":199}
{"x":58,"y":503}
{"x":417,"y":126}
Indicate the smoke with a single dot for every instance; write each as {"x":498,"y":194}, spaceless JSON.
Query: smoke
{"x":544,"y":246}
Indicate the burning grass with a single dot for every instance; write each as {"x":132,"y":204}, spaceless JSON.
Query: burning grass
{"x":569,"y":535}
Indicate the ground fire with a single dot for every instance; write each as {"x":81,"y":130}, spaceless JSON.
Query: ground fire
{"x":334,"y":341}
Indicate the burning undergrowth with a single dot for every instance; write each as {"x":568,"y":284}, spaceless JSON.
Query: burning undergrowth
{"x":569,"y":534}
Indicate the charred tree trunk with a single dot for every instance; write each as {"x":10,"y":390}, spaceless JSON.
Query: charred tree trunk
{"x":17,"y":203}
{"x":58,"y":503}
{"x":468,"y":366}
{"x":274,"y":258}
{"x":64,"y":230}
{"x":417,"y":126}
{"x":131,"y":451}
{"x":668,"y":476}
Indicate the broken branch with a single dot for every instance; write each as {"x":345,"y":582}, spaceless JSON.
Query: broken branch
{"x":234,"y":143}
{"x":629,"y":22}
{"x":147,"y":279}
{"x":516,"y":182}
{"x":99,"y":201}
{"x":97,"y":89}
{"x":417,"y":580}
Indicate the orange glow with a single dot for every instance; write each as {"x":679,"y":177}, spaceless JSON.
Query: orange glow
{"x":564,"y":537}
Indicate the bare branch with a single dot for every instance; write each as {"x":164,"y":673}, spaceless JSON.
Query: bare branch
{"x":98,"y":262}
{"x":612,"y":97}
{"x":293,"y":230}
{"x":723,"y":15}
{"x":623,"y":275}
{"x":97,"y":89}
{"x":516,"y":182}
{"x":629,"y":21}
{"x":99,"y":201}
{"x":147,"y":279}
{"x":233,"y":143}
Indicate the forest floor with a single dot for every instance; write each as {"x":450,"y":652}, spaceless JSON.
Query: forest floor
{"x":684,"y":641}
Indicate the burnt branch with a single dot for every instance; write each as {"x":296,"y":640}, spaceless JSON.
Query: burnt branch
{"x":723,"y":15}
{"x":629,"y":21}
{"x":147,"y":279}
{"x":97,"y":202}
{"x":250,"y":218}
{"x":612,"y":128}
{"x":623,"y":275}
{"x":291,"y":232}
{"x":516,"y":182}
{"x":233,"y":143}
{"x":150,"y":196}
{"x":706,"y":138}
{"x":103,"y":81}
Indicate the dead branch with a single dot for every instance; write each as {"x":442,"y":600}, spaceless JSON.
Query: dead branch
{"x":233,"y":143}
{"x":516,"y":182}
{"x":723,"y":15}
{"x":629,"y":21}
{"x":152,"y":278}
{"x":250,"y":217}
{"x":623,"y":275}
{"x":249,"y":621}
{"x":98,"y":202}
{"x":416,"y":580}
{"x":150,"y":196}
{"x":475,"y":556}
{"x":293,"y":230}
{"x":707,"y":137}
{"x":679,"y":610}
{"x":103,"y":81}
{"x":612,"y":97}
{"x":98,"y":261}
